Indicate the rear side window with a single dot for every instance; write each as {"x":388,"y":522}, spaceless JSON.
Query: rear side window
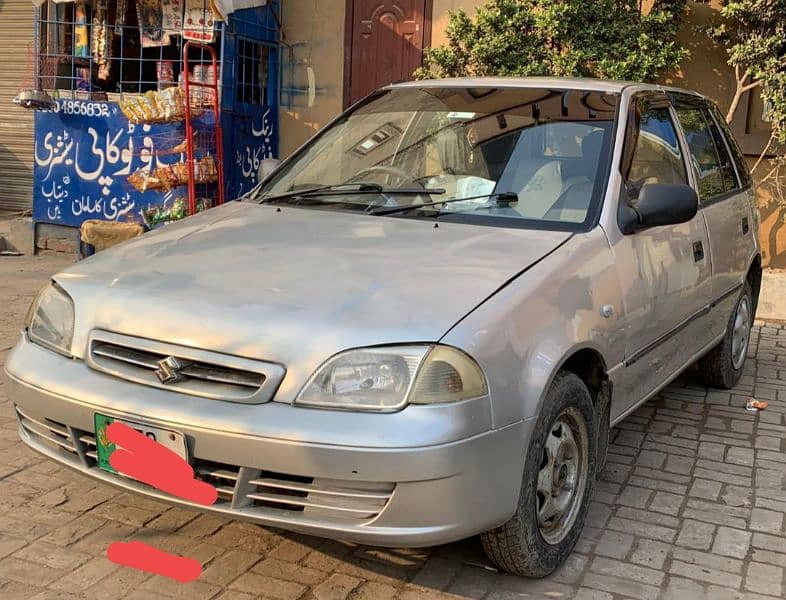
{"x":707,"y":163}
{"x":739,"y":158}
{"x":727,"y":168}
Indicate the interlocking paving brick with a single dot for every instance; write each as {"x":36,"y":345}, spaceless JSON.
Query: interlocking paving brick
{"x":740,"y":456}
{"x":626,"y":570}
{"x":702,"y":573}
{"x":696,"y":535}
{"x":623,"y":587}
{"x":254,"y":583}
{"x":226,"y":567}
{"x":767,"y":521}
{"x":336,"y":587}
{"x":86,"y":575}
{"x":732,"y":542}
{"x":650,"y":553}
{"x":634,"y":496}
{"x":705,"y":488}
{"x":765,"y":579}
{"x":371,"y":590}
{"x":614,"y":544}
{"x":667,"y":503}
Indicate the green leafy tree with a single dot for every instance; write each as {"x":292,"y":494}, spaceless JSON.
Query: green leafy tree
{"x":600,"y":38}
{"x":754,"y":33}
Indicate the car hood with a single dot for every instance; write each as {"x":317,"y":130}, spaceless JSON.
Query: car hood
{"x":296,"y":285}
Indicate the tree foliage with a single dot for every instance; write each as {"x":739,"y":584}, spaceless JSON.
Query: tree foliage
{"x":599,"y":38}
{"x":754,"y":33}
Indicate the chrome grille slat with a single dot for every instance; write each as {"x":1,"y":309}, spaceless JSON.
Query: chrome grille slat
{"x":305,"y":503}
{"x":297,"y":487}
{"x":221,"y":473}
{"x":250,"y":380}
{"x":128,"y":355}
{"x":52,"y":426}
{"x":88,"y":439}
{"x":61,"y":443}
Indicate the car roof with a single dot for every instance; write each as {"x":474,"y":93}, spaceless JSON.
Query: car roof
{"x":568,"y":83}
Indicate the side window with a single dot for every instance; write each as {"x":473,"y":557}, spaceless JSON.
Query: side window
{"x":739,"y":158}
{"x":657,"y":157}
{"x":703,"y":152}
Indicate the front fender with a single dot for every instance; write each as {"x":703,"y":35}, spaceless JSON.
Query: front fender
{"x":524,"y":333}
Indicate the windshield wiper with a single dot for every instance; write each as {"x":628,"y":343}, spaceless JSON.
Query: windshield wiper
{"x":503,"y":199}
{"x":340,"y":190}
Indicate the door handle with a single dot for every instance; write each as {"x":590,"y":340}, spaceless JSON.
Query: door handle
{"x":744,"y":225}
{"x":698,"y":251}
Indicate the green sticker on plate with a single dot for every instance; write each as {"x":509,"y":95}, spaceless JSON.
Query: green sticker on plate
{"x":104,"y":447}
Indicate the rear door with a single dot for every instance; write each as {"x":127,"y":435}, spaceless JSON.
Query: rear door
{"x":725,"y":198}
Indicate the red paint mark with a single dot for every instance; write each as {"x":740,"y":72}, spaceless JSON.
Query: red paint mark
{"x":147,"y":461}
{"x":152,"y":560}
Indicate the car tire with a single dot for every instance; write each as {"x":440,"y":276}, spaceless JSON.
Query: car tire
{"x":530,"y":544}
{"x":722,"y":367}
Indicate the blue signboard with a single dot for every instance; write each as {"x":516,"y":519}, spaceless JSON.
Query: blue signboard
{"x":84,"y":153}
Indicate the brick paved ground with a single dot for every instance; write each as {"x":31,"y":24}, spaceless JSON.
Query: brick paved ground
{"x":691,"y":505}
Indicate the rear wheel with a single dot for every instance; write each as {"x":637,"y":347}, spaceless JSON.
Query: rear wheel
{"x":722,"y":366}
{"x":558,"y":476}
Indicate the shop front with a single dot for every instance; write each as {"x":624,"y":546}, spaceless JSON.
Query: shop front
{"x":149,"y":110}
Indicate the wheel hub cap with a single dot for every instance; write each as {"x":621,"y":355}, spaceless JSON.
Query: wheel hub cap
{"x":740,"y":334}
{"x":562,"y":478}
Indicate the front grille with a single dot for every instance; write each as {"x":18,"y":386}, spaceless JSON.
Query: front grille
{"x":196,"y":372}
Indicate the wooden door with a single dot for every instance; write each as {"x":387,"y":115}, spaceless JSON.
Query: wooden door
{"x":384,"y":43}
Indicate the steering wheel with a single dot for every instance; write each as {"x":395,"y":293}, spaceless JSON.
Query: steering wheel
{"x":385,"y":170}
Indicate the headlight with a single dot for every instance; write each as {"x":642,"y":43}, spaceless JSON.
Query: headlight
{"x":386,"y":379}
{"x":50,"y":321}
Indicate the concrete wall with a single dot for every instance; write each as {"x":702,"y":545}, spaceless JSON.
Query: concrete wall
{"x":315,"y":31}
{"x":440,"y":17}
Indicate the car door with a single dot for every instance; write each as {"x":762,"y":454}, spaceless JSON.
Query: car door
{"x":664,"y":271}
{"x":725,"y":195}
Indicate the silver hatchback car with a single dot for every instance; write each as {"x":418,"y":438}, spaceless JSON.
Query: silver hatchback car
{"x":423,"y":324}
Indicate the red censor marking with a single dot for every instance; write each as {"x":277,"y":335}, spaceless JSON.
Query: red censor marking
{"x":147,"y":461}
{"x":146,"y":558}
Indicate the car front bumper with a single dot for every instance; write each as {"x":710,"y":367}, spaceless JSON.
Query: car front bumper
{"x":423,"y":476}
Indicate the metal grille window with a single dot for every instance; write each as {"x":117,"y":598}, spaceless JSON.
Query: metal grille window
{"x":252,"y":72}
{"x":91,"y":50}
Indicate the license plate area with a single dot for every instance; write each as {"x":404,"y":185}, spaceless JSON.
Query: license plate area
{"x":172,"y":440}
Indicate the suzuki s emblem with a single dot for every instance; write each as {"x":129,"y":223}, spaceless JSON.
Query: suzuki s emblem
{"x":168,"y":370}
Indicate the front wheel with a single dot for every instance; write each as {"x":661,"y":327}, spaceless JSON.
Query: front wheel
{"x":558,"y":475}
{"x":722,"y":366}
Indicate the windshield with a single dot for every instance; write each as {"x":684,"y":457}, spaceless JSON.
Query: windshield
{"x":549,"y":148}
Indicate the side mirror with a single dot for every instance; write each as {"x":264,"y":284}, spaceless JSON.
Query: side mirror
{"x":660,"y":204}
{"x":267,"y":167}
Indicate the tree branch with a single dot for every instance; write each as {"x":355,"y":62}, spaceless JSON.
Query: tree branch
{"x":750,"y":86}
{"x":763,"y":153}
{"x":740,"y":91}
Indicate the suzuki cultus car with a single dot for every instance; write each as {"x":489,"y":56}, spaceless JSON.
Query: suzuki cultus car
{"x":422,"y":325}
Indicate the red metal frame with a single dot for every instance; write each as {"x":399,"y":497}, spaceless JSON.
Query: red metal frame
{"x":188,"y":83}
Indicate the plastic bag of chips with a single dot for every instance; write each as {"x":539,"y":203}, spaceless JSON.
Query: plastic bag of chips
{"x":163,"y":106}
